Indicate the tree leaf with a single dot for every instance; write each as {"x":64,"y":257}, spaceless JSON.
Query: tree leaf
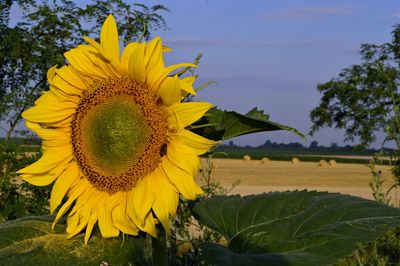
{"x":291,"y":228}
{"x":30,"y":241}
{"x":222,"y":125}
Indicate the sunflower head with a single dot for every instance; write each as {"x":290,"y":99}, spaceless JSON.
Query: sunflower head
{"x":114,"y":137}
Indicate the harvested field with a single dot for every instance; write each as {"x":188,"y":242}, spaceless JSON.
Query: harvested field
{"x":256,"y":177}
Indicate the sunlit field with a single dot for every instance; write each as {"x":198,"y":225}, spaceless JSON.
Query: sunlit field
{"x":257,"y":177}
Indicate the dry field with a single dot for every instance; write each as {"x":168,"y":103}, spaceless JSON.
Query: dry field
{"x":257,"y":177}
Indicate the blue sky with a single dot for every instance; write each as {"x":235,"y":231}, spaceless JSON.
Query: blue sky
{"x":272,"y":54}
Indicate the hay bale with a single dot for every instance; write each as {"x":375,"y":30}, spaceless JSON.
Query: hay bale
{"x":322,"y":163}
{"x":295,"y":160}
{"x":247,"y":158}
{"x":332,"y":162}
{"x":265,"y":160}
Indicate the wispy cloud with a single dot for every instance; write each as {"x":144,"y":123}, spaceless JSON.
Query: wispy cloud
{"x":395,"y":15}
{"x":310,"y":13}
{"x":259,"y":44}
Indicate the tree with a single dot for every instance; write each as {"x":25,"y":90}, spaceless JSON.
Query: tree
{"x":50,"y":28}
{"x":364,"y":99}
{"x":313,"y":144}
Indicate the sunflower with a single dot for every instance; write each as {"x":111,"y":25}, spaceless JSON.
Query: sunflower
{"x":114,"y":137}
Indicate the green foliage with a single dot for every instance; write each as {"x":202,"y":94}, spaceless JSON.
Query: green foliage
{"x":30,"y":241}
{"x":364,"y":98}
{"x":19,"y":198}
{"x":383,"y":251}
{"x":291,"y":228}
{"x":222,"y":125}
{"x":376,"y":183}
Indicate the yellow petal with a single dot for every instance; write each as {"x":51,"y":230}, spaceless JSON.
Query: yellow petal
{"x":40,"y":114}
{"x":55,"y":143}
{"x":197,"y":143}
{"x":55,"y":98}
{"x":44,"y":179}
{"x":60,"y":96}
{"x":110,"y":69}
{"x":82,"y":61}
{"x":70,"y":175}
{"x":50,"y":159}
{"x":165,"y":72}
{"x":187,"y":113}
{"x":181,"y":180}
{"x":79,"y":217}
{"x":126,"y":55}
{"x":147,"y":225}
{"x":62,"y":124}
{"x":170,"y":91}
{"x":109,"y":39}
{"x":183,"y":157}
{"x":189,"y":80}
{"x":153,"y":56}
{"x":89,"y":198}
{"x":77,"y":190}
{"x":106,"y":225}
{"x":78,"y":221}
{"x":137,"y":68}
{"x":68,"y":74}
{"x":121,"y":219}
{"x":167,"y":198}
{"x":154,"y":61}
{"x":164,"y":206}
{"x":187,"y":84}
{"x":73,"y":222}
{"x":49,"y":134}
{"x":91,"y":223}
{"x":39,"y":180}
{"x":63,"y":85}
{"x":51,"y":73}
{"x":141,"y":197}
{"x":112,"y":65}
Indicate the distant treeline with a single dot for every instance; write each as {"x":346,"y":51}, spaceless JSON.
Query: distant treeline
{"x":314,"y":148}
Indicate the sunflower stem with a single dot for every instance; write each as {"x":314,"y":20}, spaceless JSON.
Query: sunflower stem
{"x":159,"y":244}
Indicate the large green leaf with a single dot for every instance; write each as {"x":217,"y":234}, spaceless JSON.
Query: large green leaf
{"x":222,"y":125}
{"x":291,"y":228}
{"x":30,"y":241}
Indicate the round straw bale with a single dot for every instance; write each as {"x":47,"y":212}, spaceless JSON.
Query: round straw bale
{"x":322,"y":163}
{"x":247,"y":158}
{"x":332,"y":162}
{"x":295,"y":160}
{"x":265,"y":160}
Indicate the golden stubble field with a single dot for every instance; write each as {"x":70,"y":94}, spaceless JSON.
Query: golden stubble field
{"x":257,"y":177}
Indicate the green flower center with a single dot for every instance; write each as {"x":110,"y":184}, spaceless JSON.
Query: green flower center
{"x":118,"y":134}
